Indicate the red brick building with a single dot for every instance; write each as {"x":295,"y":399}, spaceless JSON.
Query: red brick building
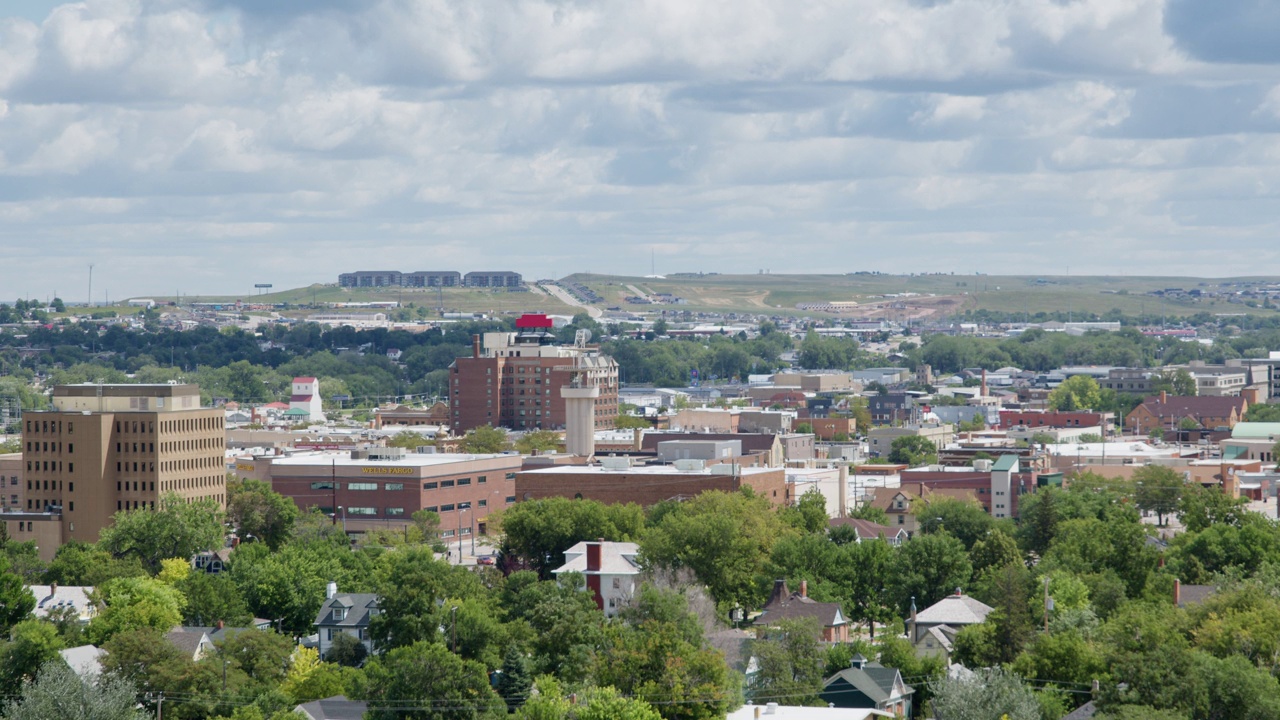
{"x":1051,"y":419}
{"x":513,"y":380}
{"x":384,"y":488}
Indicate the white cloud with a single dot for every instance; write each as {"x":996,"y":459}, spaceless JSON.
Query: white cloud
{"x":185,"y":134}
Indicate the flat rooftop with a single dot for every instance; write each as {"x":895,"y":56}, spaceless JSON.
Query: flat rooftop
{"x":641,"y":470}
{"x":125,"y":390}
{"x":409,"y":460}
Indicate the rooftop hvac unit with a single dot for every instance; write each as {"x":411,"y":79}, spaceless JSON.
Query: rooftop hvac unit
{"x":982,"y":465}
{"x":689,"y":466}
{"x":616,"y":463}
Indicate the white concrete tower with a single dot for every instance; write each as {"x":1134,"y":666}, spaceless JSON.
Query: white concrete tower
{"x":580,"y":414}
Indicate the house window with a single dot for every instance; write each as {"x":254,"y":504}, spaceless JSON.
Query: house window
{"x":339,"y":614}
{"x":617,"y":583}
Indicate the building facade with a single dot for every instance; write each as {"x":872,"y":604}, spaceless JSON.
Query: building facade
{"x":383,"y":488}
{"x":107,"y":448}
{"x":514,"y":380}
{"x":648,"y":485}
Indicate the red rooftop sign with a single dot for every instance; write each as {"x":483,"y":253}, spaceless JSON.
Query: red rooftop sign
{"x":534,"y":321}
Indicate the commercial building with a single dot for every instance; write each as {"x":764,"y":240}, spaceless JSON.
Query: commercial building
{"x":431,"y":279}
{"x":615,"y":481}
{"x":880,"y":440}
{"x":11,"y":486}
{"x":384,"y":487}
{"x":107,"y":448}
{"x":518,"y":380}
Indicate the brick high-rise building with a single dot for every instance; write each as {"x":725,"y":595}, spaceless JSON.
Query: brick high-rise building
{"x":514,"y":380}
{"x":105,"y":448}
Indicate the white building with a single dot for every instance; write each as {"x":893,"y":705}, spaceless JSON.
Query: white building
{"x":611,"y":570}
{"x":306,"y":396}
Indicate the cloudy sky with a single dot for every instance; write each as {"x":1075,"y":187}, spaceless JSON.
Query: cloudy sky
{"x":207,"y":145}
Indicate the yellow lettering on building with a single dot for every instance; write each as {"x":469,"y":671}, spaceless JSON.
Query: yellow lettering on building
{"x":246,"y":468}
{"x":386,"y":471}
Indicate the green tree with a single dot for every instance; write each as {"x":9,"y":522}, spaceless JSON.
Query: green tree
{"x":809,"y":513}
{"x":1202,"y":507}
{"x":31,"y":645}
{"x":411,"y":584}
{"x":59,"y":693}
{"x":928,"y":568}
{"x":515,"y":679}
{"x":550,"y":703}
{"x":538,"y":441}
{"x":347,"y":651}
{"x":136,"y":602}
{"x":212,"y":598}
{"x":484,"y":440}
{"x":1078,"y":392}
{"x":78,"y":563}
{"x":724,"y":538}
{"x":538,"y":532}
{"x":176,"y":529}
{"x":986,"y":694}
{"x":309,"y":678}
{"x":257,"y":512}
{"x":16,"y":601}
{"x":1177,"y":382}
{"x":913,"y":450}
{"x":409,"y":440}
{"x":789,"y":664}
{"x":424,"y":681}
{"x":1159,"y":490}
{"x":966,"y":521}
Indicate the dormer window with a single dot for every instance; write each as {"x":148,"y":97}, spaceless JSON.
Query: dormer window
{"x":339,"y":614}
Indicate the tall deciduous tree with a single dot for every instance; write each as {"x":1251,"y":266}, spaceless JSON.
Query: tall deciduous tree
{"x":928,"y":568}
{"x":16,"y":601}
{"x":485,"y":440}
{"x":1078,"y":392}
{"x":538,"y":532}
{"x":175,"y":529}
{"x":789,"y":664}
{"x":133,"y":603}
{"x":424,"y":681}
{"x":1159,"y":490}
{"x":724,"y":538}
{"x":913,"y":450}
{"x":254,"y":510}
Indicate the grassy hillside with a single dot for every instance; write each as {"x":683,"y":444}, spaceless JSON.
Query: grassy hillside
{"x":455,"y":299}
{"x":935,"y":294}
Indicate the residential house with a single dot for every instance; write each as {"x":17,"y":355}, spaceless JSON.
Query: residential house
{"x":901,"y":503}
{"x":1169,"y":411}
{"x":894,"y":407}
{"x":85,"y":661}
{"x":774,"y":711}
{"x":57,"y":598}
{"x":194,"y":643}
{"x":786,"y":605}
{"x":610,"y":569}
{"x":933,"y":630}
{"x":868,"y":685}
{"x":869,"y":531}
{"x":337,"y":707}
{"x":348,"y":613}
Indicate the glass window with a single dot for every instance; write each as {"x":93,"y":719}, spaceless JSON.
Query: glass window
{"x":362,"y":486}
{"x":393,"y":486}
{"x":446,"y":508}
{"x":362,"y":511}
{"x":464,"y":481}
{"x":446,"y":483}
{"x":429,"y":485}
{"x":481,"y":480}
{"x":326,"y":485}
{"x":395,"y":511}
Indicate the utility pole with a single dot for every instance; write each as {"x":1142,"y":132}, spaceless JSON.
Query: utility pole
{"x":90,"y":303}
{"x":333,"y":486}
{"x":1046,"y":603}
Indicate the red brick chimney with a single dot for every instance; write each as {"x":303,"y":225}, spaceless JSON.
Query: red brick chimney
{"x":1177,"y":592}
{"x":1164,"y":397}
{"x":593,"y":555}
{"x":984,"y":382}
{"x":475,"y":346}
{"x":804,"y":588}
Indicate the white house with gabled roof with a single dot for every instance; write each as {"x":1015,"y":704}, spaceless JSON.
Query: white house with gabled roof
{"x":611,"y":570}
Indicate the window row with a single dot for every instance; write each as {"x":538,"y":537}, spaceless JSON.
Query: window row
{"x":48,"y":426}
{"x":39,"y":447}
{"x":49,"y":485}
{"x":193,"y":424}
{"x":48,"y":466}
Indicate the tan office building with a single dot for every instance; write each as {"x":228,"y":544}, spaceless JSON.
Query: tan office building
{"x":106,"y":448}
